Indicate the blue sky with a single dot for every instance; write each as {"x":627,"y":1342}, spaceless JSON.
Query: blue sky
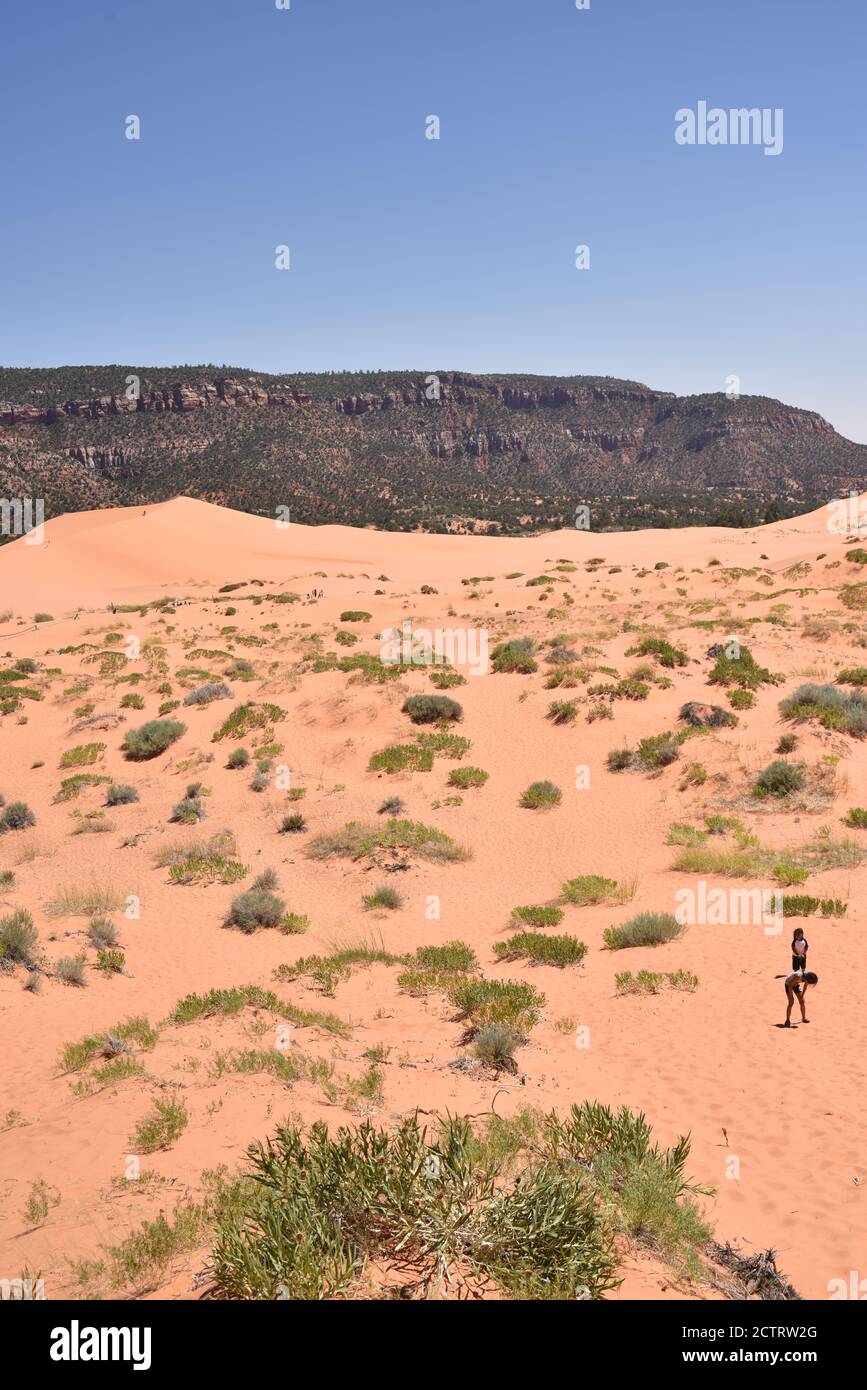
{"x":306,"y":127}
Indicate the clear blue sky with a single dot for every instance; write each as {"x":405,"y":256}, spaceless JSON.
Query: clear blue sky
{"x":307,"y":127}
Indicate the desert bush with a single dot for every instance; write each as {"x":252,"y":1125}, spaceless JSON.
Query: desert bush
{"x":657,"y":751}
{"x":540,"y":795}
{"x":188,"y":811}
{"x":779,"y":778}
{"x":239,"y":757}
{"x":853,"y":675}
{"x":159,"y":1129}
{"x":102,"y":932}
{"x":246,"y":719}
{"x":356,"y":840}
{"x":254,"y":909}
{"x":544,"y":950}
{"x":467,"y":777}
{"x":18,"y":937}
{"x":537,"y":916}
{"x":431,"y":709}
{"x":292,"y":824}
{"x":833,"y":708}
{"x":854,"y":597}
{"x":384,"y":896}
{"x":856,"y":818}
{"x":355,"y":615}
{"x":495,"y":1046}
{"x":260,"y":781}
{"x":392,"y":806}
{"x":83,"y":755}
{"x":207,"y":861}
{"x":70,"y":970}
{"x":509,"y":1002}
{"x":562,"y":711}
{"x":788,"y":743}
{"x":661,"y":650}
{"x":514,"y":657}
{"x":120,"y":794}
{"x":131,"y":701}
{"x":152,"y":738}
{"x":402,"y":757}
{"x":619,"y":759}
{"x":742,"y":670}
{"x":647,"y":929}
{"x":110,"y":962}
{"x":589,"y":889}
{"x":207,"y":693}
{"x":16,"y":816}
{"x":741,"y":699}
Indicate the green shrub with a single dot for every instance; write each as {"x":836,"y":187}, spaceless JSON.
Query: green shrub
{"x":467,"y":777}
{"x":254,"y":909}
{"x":742,"y":699}
{"x":647,"y":929}
{"x":344,"y":638}
{"x":515,"y":656}
{"x":509,"y":1002}
{"x":131,"y":701}
{"x":832,"y":707}
{"x":856,"y":818}
{"x":562,"y":711}
{"x":119,"y":794}
{"x":619,"y":759}
{"x":159,"y":1129}
{"x":779,"y":778}
{"x":293,"y":824}
{"x":430,"y":709}
{"x":70,"y":970}
{"x":545,"y":950}
{"x":356,"y":840}
{"x":385,"y":896}
{"x":16,"y":816}
{"x":788,"y":743}
{"x":102,"y":932}
{"x":81,"y":756}
{"x":207,"y":693}
{"x":495,"y":1046}
{"x":853,"y":675}
{"x":355,"y":615}
{"x":18,"y":937}
{"x":663,"y":651}
{"x":110,"y":962}
{"x":741,"y":670}
{"x":246,"y":719}
{"x":152,"y":738}
{"x":239,"y":757}
{"x":657,"y":751}
{"x":589,"y":889}
{"x":537,"y":916}
{"x":540,"y":795}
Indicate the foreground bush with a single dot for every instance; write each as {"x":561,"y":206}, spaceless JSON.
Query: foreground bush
{"x":18,"y":937}
{"x":779,"y":779}
{"x":647,"y":929}
{"x":540,"y":795}
{"x":530,"y":1204}
{"x":844,"y":710}
{"x":152,"y":738}
{"x":430,"y":709}
{"x":256,"y":908}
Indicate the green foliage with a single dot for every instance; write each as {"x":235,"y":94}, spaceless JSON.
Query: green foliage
{"x":152,"y":739}
{"x":647,"y":929}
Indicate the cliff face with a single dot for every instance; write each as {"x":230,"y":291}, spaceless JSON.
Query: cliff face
{"x":408,"y":449}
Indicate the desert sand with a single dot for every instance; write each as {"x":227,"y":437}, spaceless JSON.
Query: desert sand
{"x":711,"y":1061}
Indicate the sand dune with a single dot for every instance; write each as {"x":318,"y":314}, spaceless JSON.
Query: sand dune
{"x":774,"y":1115}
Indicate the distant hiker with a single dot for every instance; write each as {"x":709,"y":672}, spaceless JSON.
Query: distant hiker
{"x":800,"y":946}
{"x":797,"y":985}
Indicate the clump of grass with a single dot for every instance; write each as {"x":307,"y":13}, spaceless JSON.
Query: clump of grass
{"x":402,"y":757}
{"x":779,"y":779}
{"x":661,"y":650}
{"x":514,"y":657}
{"x":82,"y":755}
{"x":355,"y":615}
{"x":741,"y":699}
{"x":114,"y":1042}
{"x":432,"y":709}
{"x":646,"y":929}
{"x":392,"y":806}
{"x":467,"y":777}
{"x":102,"y":932}
{"x":255,"y":909}
{"x":650,"y":981}
{"x":18,"y":937}
{"x":383,"y":897}
{"x":209,"y":861}
{"x":292,"y":824}
{"x":16,"y":816}
{"x":512,"y":1003}
{"x":357,"y":840}
{"x":91,"y":900}
{"x":856,"y":818}
{"x":152,"y":739}
{"x":228,"y":1002}
{"x":837,"y":709}
{"x":159,"y":1129}
{"x":120,"y":794}
{"x":741,"y":669}
{"x":70,"y":970}
{"x":543,"y":950}
{"x":802,"y":905}
{"x":587,"y":890}
{"x":495,"y":1045}
{"x":788,"y":743}
{"x":246,"y":719}
{"x":437,"y":967}
{"x":238,"y":758}
{"x":540,"y":795}
{"x":110,"y":962}
{"x":537,"y":916}
{"x":207,"y":693}
{"x":562,"y":711}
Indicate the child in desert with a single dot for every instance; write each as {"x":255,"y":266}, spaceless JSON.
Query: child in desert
{"x":800,"y":946}
{"x":797,"y":985}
